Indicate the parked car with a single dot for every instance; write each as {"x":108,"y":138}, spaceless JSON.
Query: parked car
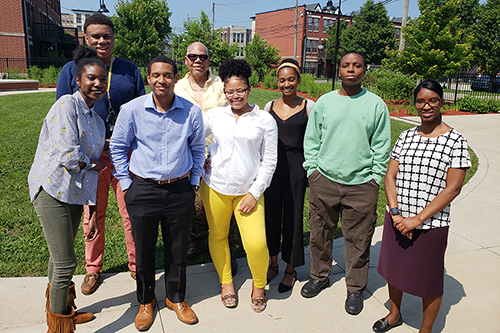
{"x":482,"y":83}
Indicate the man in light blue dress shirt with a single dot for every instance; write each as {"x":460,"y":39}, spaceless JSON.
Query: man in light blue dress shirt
{"x":166,"y":138}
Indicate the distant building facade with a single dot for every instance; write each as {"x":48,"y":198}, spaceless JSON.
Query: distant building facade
{"x":237,"y":35}
{"x":32,"y":29}
{"x":278,"y":28}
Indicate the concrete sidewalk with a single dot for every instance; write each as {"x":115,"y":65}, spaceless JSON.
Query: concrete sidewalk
{"x":470,"y":302}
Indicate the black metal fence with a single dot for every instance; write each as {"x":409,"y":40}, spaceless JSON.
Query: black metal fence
{"x":460,"y":85}
{"x":20,"y":65}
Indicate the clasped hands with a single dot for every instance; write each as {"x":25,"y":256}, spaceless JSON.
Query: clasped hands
{"x":405,"y":225}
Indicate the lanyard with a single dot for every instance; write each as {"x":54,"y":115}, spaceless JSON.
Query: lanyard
{"x":109,"y":77}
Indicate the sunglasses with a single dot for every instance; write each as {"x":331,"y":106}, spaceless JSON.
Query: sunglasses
{"x":193,"y":57}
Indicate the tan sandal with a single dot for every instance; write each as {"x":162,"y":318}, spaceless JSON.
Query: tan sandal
{"x":229,"y":300}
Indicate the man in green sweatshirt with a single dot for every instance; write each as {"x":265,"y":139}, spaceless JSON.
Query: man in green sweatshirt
{"x":346,"y":148}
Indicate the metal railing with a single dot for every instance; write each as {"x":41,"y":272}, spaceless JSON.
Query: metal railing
{"x":460,"y":85}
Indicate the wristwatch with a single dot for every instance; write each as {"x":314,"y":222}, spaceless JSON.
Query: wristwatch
{"x":395,"y":211}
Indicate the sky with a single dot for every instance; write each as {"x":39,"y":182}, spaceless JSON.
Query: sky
{"x":238,"y":12}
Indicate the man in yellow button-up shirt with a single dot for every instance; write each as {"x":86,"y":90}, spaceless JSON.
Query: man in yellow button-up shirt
{"x":207,"y":91}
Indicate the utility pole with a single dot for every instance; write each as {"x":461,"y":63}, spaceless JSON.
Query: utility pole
{"x":295,"y":36}
{"x":213,"y":13}
{"x":403,"y":24}
{"x":336,"y":48}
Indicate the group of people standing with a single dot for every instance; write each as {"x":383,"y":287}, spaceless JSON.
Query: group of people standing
{"x":195,"y":146}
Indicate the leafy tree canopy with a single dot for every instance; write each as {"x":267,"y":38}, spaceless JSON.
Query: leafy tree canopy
{"x":436,"y":43}
{"x":200,"y":30}
{"x":261,"y":56}
{"x":141,"y":28}
{"x":486,"y":41}
{"x":371,"y":33}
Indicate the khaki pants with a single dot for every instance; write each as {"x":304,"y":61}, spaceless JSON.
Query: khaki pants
{"x":357,"y":206}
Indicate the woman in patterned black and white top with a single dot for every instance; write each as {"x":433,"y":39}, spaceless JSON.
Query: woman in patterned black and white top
{"x":426,"y":172}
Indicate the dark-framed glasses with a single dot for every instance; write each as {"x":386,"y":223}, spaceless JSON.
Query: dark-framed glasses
{"x":433,"y":102}
{"x":193,"y":57}
{"x":238,"y":92}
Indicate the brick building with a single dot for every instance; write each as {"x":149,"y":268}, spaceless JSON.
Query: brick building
{"x":278,"y":27}
{"x":32,"y":29}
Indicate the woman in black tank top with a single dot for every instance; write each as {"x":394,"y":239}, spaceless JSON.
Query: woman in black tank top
{"x":284,"y":198}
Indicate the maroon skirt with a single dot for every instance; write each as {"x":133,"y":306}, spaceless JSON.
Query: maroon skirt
{"x":415,"y":266}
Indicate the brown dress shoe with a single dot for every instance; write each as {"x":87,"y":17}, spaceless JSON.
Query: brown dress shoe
{"x":144,"y":317}
{"x":183,"y":311}
{"x":90,"y":283}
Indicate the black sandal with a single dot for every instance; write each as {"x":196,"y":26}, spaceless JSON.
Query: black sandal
{"x":274,"y":269}
{"x":283,"y":288}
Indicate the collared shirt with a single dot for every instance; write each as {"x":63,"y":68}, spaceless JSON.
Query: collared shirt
{"x":243,"y":153}
{"x":162,"y":145}
{"x":213,"y":92}
{"x":71,"y":133}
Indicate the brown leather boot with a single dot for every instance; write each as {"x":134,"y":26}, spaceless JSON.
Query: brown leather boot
{"x":80,"y":317}
{"x":58,"y":323}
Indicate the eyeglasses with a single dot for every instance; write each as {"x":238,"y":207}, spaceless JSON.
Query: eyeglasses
{"x":193,"y":57}
{"x":433,"y":102}
{"x":239,"y":92}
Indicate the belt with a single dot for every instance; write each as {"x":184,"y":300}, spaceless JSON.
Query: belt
{"x":167,"y":181}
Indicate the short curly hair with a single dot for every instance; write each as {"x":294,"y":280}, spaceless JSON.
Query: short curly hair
{"x":98,"y":18}
{"x":235,"y":67}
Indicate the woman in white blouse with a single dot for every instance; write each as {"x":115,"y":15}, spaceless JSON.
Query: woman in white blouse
{"x":63,"y":178}
{"x":243,"y":157}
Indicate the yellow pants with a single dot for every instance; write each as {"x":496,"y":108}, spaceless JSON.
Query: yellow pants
{"x":218,"y":209}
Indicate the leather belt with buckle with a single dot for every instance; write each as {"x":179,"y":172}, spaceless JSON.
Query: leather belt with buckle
{"x":167,"y":181}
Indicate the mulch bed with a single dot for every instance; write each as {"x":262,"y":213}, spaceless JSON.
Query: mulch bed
{"x":397,"y":108}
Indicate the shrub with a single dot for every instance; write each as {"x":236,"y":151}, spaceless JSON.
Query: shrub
{"x":35,"y":73}
{"x":270,"y":81}
{"x":254,"y":79}
{"x":13,"y":73}
{"x":478,"y":105}
{"x":50,"y":75}
{"x":389,"y":85}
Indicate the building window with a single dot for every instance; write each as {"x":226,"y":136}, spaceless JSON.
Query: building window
{"x":308,"y":46}
{"x":309,"y":23}
{"x":315,"y":24}
{"x":326,"y":24}
{"x":78,"y":18}
{"x":234,"y":37}
{"x":314,"y":46}
{"x":79,"y":28}
{"x":398,"y":33}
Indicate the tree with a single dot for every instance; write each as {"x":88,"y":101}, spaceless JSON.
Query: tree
{"x":141,"y":28}
{"x":330,"y":41}
{"x":486,"y":42}
{"x":200,"y":30}
{"x":436,"y":43}
{"x":371,"y":33}
{"x":261,"y":56}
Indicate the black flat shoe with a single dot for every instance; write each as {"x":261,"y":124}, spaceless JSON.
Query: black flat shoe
{"x":283,"y":288}
{"x":382,"y":325}
{"x":313,"y":287}
{"x":354,"y":303}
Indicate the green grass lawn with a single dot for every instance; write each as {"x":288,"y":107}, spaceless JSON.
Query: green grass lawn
{"x":23,"y":251}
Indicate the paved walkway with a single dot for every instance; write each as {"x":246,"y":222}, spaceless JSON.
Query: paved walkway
{"x":14,"y":92}
{"x":470,"y":302}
